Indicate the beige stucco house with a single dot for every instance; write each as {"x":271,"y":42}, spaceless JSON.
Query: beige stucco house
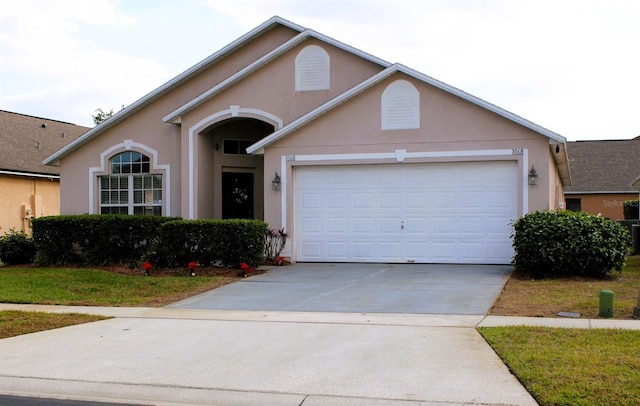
{"x":29,"y":189}
{"x":358,"y":159}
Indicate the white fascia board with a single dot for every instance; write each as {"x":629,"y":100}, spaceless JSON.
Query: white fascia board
{"x":29,"y":175}
{"x":259,"y":146}
{"x":294,"y":125}
{"x":601,"y":192}
{"x":484,"y":104}
{"x":175,"y":116}
{"x":132,"y":108}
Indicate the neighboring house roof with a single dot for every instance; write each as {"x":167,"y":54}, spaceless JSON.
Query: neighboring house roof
{"x":603,"y":166}
{"x":26,"y":140}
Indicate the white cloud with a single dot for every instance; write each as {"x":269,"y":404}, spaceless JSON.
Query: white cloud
{"x":570,"y":65}
{"x":51,"y":63}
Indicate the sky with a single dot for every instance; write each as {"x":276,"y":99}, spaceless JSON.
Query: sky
{"x":571,"y":66}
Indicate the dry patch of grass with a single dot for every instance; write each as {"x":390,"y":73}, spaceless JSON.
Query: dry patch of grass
{"x":15,"y":323}
{"x":523,"y":296}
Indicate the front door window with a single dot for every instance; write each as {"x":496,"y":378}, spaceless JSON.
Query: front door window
{"x":237,"y":195}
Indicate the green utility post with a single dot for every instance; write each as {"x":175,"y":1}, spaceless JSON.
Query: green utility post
{"x":636,"y":310}
{"x":606,"y":303}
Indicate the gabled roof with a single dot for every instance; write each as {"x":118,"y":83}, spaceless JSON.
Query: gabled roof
{"x":604,"y":166}
{"x":27,"y":140}
{"x":174,"y":117}
{"x":172,"y":84}
{"x":554,"y":139}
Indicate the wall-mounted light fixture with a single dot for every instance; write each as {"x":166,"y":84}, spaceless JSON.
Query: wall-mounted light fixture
{"x":533,"y":176}
{"x":275,"y":183}
{"x":557,"y":149}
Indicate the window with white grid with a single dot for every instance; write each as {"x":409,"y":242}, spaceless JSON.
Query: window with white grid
{"x":131,"y":189}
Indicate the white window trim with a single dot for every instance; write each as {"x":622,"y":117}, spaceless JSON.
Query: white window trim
{"x":128,"y":145}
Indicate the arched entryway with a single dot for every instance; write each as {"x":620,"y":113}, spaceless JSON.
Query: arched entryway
{"x":231,"y":182}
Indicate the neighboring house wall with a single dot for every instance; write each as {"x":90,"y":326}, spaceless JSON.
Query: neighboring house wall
{"x":603,"y":173}
{"x":24,"y":198}
{"x":609,"y":205}
{"x":29,"y":189}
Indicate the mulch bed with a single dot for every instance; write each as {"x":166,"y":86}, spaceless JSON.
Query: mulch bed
{"x":203,"y":271}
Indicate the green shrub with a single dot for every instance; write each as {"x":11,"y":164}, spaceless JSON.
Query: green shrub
{"x":631,"y":209}
{"x":94,"y":239}
{"x":566,"y":243}
{"x":16,"y":248}
{"x":227,"y":242}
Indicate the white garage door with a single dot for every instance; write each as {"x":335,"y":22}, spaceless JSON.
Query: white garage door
{"x":430,"y":213}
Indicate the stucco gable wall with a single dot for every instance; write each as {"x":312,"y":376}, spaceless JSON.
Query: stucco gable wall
{"x":146,"y":126}
{"x":272,"y":88}
{"x":446,"y":122}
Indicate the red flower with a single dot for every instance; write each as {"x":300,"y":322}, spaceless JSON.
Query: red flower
{"x":147,"y":266}
{"x":192,"y":265}
{"x":244,"y":266}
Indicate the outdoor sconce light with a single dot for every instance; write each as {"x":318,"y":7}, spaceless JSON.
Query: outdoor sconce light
{"x":275,"y":183}
{"x":533,"y":176}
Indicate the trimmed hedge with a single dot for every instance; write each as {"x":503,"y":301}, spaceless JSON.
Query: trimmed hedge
{"x":567,"y":243}
{"x":16,"y":247}
{"x":227,"y":242}
{"x":94,"y":239}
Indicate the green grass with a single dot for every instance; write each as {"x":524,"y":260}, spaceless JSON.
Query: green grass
{"x":571,"y":366}
{"x":14,"y":323}
{"x":91,"y":287}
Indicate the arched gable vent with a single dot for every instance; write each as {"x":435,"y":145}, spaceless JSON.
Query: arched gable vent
{"x":312,"y":69}
{"x":400,"y":106}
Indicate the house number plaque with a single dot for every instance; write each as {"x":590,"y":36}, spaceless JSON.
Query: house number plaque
{"x":517,"y":151}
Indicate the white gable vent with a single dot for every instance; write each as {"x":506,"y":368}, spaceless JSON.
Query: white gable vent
{"x":400,"y":106}
{"x":312,"y":69}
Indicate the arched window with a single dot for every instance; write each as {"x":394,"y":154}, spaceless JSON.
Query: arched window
{"x":312,"y":69}
{"x":130,"y":188}
{"x":400,"y":106}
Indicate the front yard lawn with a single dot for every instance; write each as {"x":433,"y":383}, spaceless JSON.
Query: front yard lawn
{"x":94,"y":287}
{"x":571,"y":366}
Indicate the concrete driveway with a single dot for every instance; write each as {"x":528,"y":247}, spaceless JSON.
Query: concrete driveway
{"x":337,"y":346}
{"x":362,"y":288}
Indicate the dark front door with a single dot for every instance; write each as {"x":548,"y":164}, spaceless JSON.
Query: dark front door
{"x":237,"y":195}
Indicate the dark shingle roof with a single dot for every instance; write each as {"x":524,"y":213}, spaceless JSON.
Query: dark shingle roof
{"x":25,"y":141}
{"x":603,"y":166}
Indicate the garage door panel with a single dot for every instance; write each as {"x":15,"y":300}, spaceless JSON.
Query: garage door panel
{"x":337,"y":225}
{"x":363,"y":200}
{"x":337,"y":250}
{"x":437,"y":212}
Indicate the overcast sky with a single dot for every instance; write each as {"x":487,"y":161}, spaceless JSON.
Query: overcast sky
{"x":572,"y":66}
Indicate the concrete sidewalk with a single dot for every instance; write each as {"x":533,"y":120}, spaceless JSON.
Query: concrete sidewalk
{"x":316,"y":317}
{"x":165,"y":356}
